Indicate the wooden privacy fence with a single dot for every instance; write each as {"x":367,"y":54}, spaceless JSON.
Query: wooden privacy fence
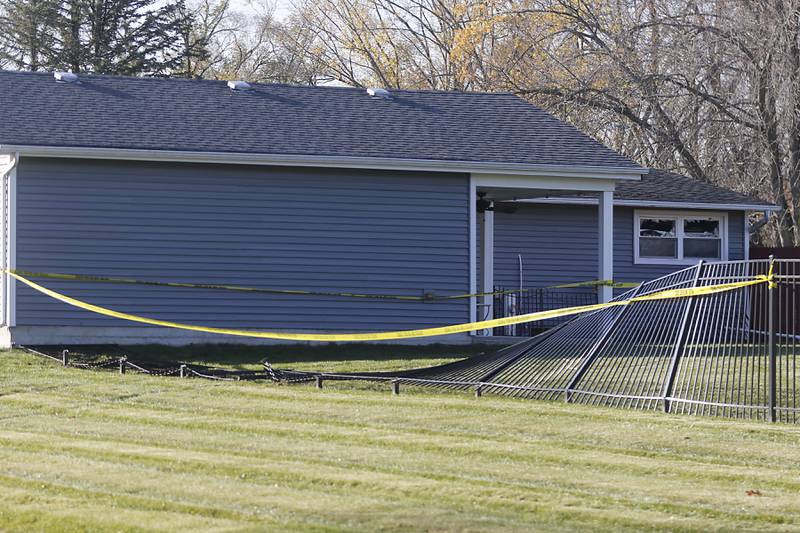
{"x":789,"y":300}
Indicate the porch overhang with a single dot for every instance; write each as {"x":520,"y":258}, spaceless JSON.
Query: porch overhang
{"x":495,"y":187}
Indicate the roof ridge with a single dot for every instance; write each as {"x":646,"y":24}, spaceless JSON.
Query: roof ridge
{"x":179,"y":79}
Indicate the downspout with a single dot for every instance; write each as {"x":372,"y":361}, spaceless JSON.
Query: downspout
{"x":760,"y":224}
{"x":8,"y":165}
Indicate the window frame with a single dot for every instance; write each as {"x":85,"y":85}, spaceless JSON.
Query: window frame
{"x":679,"y":217}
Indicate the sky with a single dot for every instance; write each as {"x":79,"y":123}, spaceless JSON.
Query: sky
{"x":281,"y":6}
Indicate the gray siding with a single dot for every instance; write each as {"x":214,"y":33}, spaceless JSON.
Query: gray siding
{"x":327,"y":230}
{"x":558,"y":244}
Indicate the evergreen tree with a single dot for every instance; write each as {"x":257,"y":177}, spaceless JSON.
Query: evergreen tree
{"x":127,"y":37}
{"x":26,"y":37}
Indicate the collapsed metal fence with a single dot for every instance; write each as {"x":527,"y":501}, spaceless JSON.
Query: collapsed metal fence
{"x":731,"y":354}
{"x":153,"y":368}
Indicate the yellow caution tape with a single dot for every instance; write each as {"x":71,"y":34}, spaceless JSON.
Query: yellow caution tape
{"x":424,"y":297}
{"x":771,"y":275}
{"x":398,"y":335}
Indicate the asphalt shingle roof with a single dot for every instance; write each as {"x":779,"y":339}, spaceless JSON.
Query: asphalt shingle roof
{"x":203,"y":115}
{"x":663,"y":186}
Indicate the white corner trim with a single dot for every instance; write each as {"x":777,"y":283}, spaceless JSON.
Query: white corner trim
{"x":8,"y":238}
{"x":679,"y":215}
{"x":332,"y":161}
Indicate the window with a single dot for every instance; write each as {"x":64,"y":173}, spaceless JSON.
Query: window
{"x":678,"y":238}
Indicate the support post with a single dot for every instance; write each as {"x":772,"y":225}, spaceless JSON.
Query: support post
{"x":772,"y":317}
{"x":121,"y":365}
{"x":596,"y":347}
{"x":395,"y":387}
{"x":183,"y":371}
{"x":487,"y":267}
{"x":318,"y":381}
{"x":65,"y":357}
{"x":478,"y":391}
{"x":680,"y":343}
{"x":606,"y":244}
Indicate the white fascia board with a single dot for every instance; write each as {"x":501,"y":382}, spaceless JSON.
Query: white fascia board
{"x":655,"y":204}
{"x":544,"y":182}
{"x":469,"y":167}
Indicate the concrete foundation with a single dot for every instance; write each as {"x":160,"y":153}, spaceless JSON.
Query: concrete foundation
{"x":61,"y":335}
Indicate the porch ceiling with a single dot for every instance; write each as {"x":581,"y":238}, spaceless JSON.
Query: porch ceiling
{"x":495,"y":194}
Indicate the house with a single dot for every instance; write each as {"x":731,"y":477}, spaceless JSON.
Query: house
{"x":322,"y":189}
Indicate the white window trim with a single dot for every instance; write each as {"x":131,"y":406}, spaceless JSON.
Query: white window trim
{"x":678,"y":216}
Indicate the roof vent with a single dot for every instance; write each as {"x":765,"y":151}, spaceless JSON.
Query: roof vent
{"x":239,"y":85}
{"x":376,"y":92}
{"x":65,"y":77}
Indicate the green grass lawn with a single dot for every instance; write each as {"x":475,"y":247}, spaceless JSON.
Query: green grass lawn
{"x":85,"y":450}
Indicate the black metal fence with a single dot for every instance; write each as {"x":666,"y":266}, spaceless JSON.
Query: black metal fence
{"x":535,"y":300}
{"x":732,"y":353}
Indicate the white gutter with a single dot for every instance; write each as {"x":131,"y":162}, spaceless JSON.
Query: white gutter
{"x":379,"y":163}
{"x":653,"y":203}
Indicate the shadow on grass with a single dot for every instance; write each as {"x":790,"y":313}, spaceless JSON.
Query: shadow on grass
{"x":233,"y":355}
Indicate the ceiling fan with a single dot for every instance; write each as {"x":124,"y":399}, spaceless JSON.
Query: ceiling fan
{"x":484,"y":205}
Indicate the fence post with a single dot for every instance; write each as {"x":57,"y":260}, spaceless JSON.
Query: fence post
{"x":395,"y":387}
{"x":318,"y":381}
{"x":591,"y":355}
{"x":121,"y":365}
{"x":680,"y":343}
{"x":183,"y":371}
{"x":65,"y":357}
{"x":773,"y":337}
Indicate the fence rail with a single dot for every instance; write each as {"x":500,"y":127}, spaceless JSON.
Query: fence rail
{"x":732,"y":354}
{"x":534,"y":300}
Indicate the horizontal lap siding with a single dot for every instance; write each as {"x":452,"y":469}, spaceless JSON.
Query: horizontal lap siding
{"x":324,"y":230}
{"x":558,"y":244}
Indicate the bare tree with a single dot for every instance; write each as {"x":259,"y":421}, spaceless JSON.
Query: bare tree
{"x":708,"y":88}
{"x":396,"y":43}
